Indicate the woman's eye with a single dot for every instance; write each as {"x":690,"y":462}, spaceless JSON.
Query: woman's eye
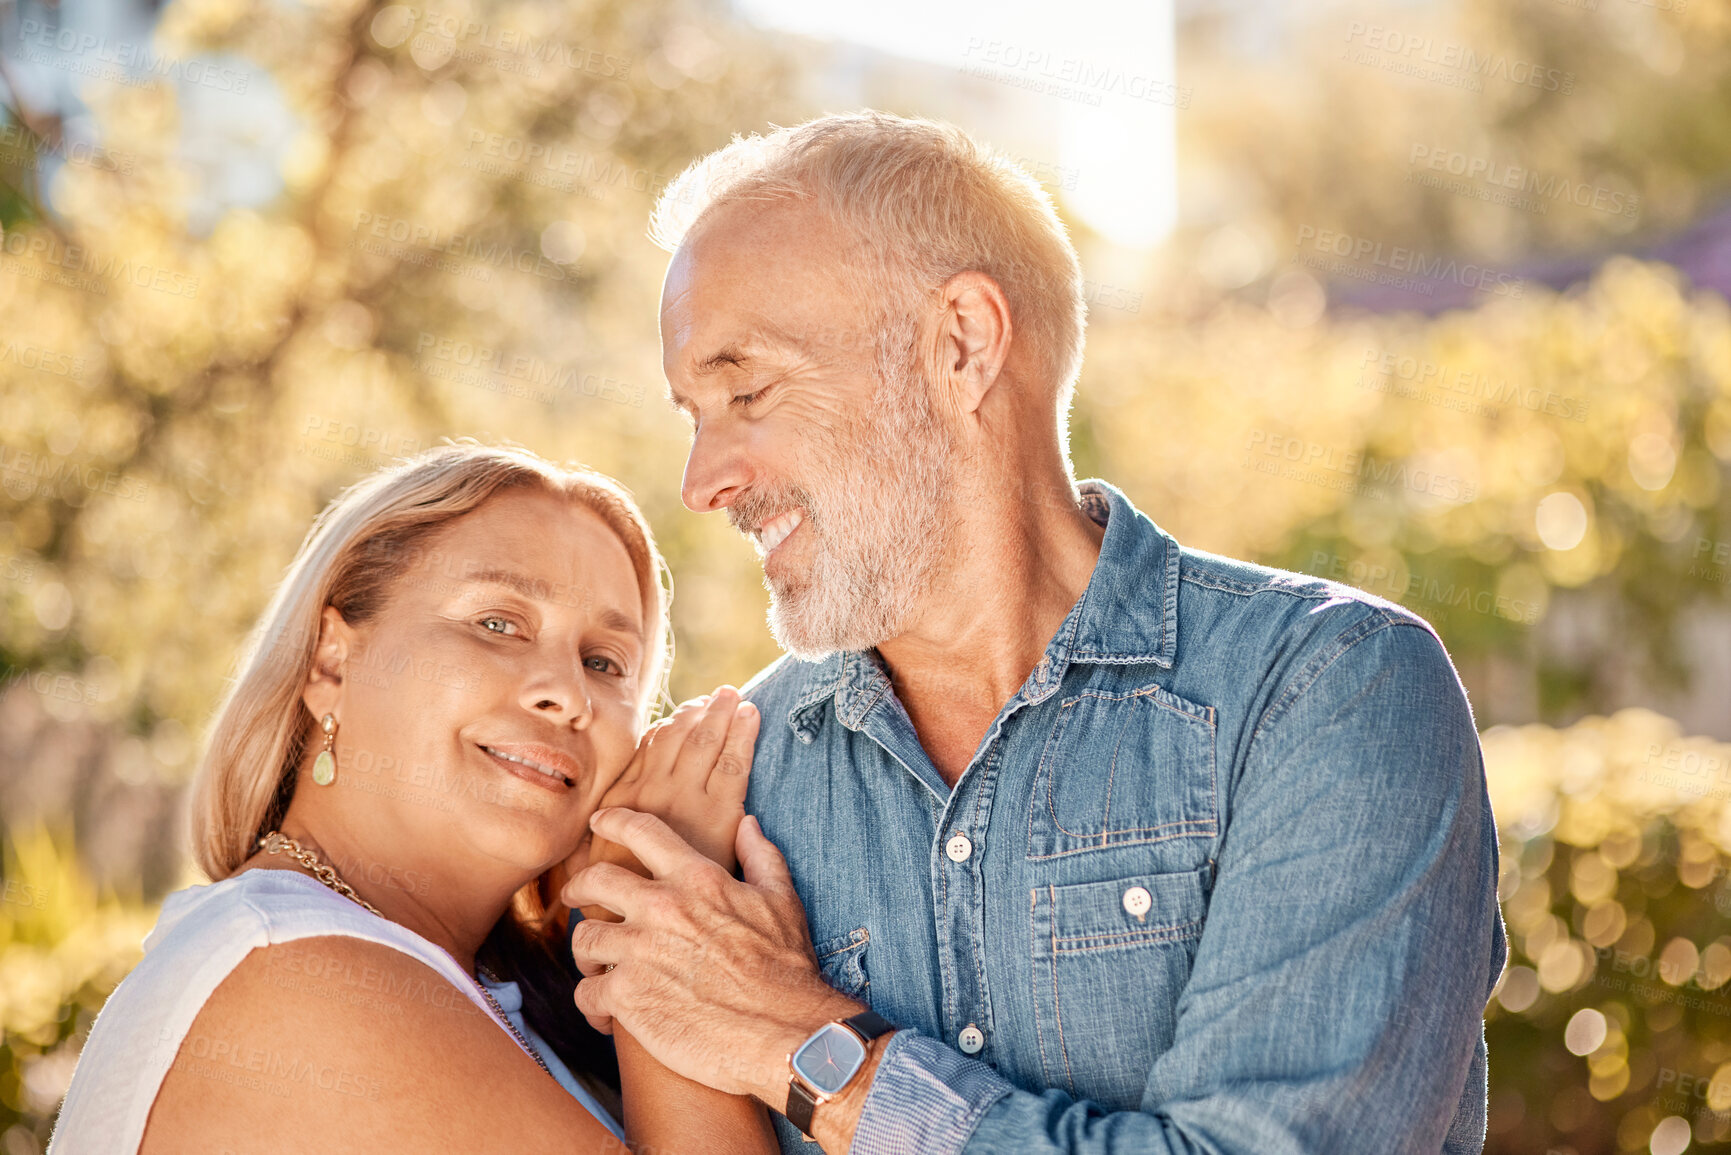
{"x":498,"y":625}
{"x":607,"y":665}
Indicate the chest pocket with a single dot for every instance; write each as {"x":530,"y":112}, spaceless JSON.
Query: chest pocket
{"x":1123,"y":769}
{"x":1109,"y":961}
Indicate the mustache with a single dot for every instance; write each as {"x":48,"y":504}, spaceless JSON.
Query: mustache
{"x":755,"y":506}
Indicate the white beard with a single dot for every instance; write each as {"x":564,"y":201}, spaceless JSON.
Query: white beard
{"x":878,"y":531}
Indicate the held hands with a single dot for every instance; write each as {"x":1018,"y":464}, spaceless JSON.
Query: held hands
{"x":715,"y":977}
{"x":691,"y":770}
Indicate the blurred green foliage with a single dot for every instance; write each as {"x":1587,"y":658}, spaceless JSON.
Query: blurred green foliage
{"x":1427,"y":459}
{"x":63,"y":947}
{"x":1614,"y":1014}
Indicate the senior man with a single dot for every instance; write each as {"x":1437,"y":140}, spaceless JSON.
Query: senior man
{"x":1126,"y":847}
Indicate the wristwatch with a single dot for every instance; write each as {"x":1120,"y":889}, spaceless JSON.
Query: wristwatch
{"x":827,"y":1062}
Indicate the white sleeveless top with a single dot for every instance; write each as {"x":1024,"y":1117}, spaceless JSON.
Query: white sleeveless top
{"x":201,"y":935}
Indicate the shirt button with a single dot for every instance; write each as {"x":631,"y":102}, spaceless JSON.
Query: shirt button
{"x":958,"y":848}
{"x":971,"y":1040}
{"x":1138,"y":901}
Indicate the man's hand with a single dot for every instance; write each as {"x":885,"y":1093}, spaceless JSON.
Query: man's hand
{"x":714,"y":976}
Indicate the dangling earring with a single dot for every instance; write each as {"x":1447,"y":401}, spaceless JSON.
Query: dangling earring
{"x":325,"y":765}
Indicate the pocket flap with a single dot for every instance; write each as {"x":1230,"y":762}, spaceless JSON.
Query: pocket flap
{"x":842,"y":961}
{"x":1142,"y":908}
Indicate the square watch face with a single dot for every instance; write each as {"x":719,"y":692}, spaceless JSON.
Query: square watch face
{"x":829,"y":1058}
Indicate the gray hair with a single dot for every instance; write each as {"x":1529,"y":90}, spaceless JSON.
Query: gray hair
{"x":926,"y":201}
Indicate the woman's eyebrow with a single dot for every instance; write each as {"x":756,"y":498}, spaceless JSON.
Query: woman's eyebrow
{"x":615,"y":620}
{"x":540,"y":591}
{"x":527,"y":586}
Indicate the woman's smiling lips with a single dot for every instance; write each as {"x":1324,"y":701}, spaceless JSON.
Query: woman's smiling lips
{"x":546,"y":767}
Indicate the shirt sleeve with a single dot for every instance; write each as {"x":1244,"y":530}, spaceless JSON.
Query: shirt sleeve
{"x":925,"y":1097}
{"x":1337,"y":997}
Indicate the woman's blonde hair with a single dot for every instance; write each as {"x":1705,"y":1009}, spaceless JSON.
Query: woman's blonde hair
{"x":362,"y":542}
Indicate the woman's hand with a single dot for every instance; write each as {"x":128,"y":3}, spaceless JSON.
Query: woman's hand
{"x":690,"y":770}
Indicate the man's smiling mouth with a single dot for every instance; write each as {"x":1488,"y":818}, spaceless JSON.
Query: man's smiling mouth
{"x":776,"y":530}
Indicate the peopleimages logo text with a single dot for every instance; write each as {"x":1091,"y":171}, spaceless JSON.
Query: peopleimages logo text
{"x":461,"y":29}
{"x":1404,"y":260}
{"x":1542,"y":187}
{"x":1070,"y":70}
{"x":130,"y":57}
{"x":1458,"y":57}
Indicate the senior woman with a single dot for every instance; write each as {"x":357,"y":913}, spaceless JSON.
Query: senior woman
{"x":454,"y":674}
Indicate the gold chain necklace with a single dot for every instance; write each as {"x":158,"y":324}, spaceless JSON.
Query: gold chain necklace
{"x":276,"y":842}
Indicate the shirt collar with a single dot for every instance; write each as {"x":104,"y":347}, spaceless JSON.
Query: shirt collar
{"x":1128,"y":614}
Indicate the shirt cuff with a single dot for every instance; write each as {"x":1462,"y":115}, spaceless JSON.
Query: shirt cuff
{"x":925,"y":1099}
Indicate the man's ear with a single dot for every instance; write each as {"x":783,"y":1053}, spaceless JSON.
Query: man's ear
{"x":324,"y":688}
{"x":974,"y":338}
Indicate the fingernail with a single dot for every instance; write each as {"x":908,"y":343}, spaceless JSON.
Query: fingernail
{"x":596,"y":817}
{"x":748,"y":707}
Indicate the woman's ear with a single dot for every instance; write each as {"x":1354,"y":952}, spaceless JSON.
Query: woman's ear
{"x":324,"y":688}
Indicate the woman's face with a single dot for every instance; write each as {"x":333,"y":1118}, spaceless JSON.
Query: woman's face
{"x":491,"y":702}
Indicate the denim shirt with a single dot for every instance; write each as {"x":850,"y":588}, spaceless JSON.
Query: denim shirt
{"x":1221,"y":876}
